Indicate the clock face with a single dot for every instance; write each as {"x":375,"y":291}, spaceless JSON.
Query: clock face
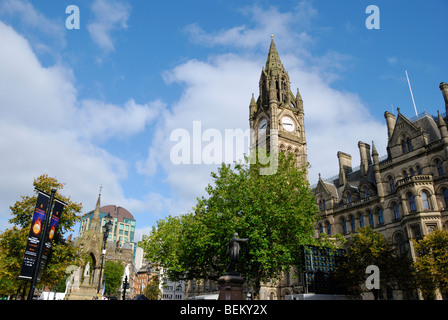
{"x":263,"y":125}
{"x":288,"y":124}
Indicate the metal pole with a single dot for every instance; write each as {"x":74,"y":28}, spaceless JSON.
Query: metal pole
{"x":41,"y":245}
{"x":101,"y":268}
{"x":125,"y":284}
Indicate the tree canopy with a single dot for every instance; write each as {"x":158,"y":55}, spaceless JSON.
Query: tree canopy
{"x":369,"y":247}
{"x":14,"y":239}
{"x":431,"y":265}
{"x":276,"y":212}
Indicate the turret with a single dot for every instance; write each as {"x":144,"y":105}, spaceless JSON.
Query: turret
{"x":366,"y":160}
{"x":390,"y":121}
{"x":444,"y":88}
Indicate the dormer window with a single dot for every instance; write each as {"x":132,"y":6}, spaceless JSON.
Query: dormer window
{"x":406,"y":145}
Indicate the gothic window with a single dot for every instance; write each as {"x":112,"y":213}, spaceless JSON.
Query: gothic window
{"x":366,"y":192}
{"x":321,"y":228}
{"x":445,"y":196}
{"x":409,"y":145}
{"x":344,"y":226}
{"x":328,"y":228}
{"x":400,"y":243}
{"x":403,"y":146}
{"x":361,"y":220}
{"x":439,"y":167}
{"x":411,"y":200}
{"x":352,"y":223}
{"x":405,"y":174}
{"x":370,"y":215}
{"x":406,"y":145}
{"x":396,"y":211}
{"x":425,"y":200}
{"x":349,"y":198}
{"x":391,"y":184}
{"x":419,"y":170}
{"x":380,"y":216}
{"x":412,"y":172}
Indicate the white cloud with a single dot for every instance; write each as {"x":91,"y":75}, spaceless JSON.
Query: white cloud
{"x":217,"y":92}
{"x":32,"y":18}
{"x":110,"y":16}
{"x":45,"y":129}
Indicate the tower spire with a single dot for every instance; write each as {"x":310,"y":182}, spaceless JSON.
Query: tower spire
{"x":273,"y":63}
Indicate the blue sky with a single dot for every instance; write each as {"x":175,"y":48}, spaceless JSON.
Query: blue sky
{"x":96,"y":105}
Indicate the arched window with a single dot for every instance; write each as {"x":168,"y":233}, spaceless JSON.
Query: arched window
{"x":425,"y":200}
{"x":352,"y":223}
{"x":439,"y":167}
{"x":380,"y":216}
{"x":361,"y":220}
{"x":405,"y":174}
{"x":366,"y":192}
{"x":411,"y":200}
{"x":419,"y":170}
{"x":328,"y":228}
{"x":400,"y":243}
{"x":391,"y":184}
{"x":370,"y":214}
{"x":409,"y":144}
{"x":349,"y":198}
{"x":396,"y":211}
{"x":404,"y":147}
{"x":344,"y":226}
{"x":412,"y":172}
{"x":321,"y":228}
{"x":445,"y":196}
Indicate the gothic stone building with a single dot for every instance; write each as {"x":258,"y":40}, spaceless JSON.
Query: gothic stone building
{"x":403,"y":195}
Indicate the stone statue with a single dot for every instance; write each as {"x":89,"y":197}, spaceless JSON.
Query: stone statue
{"x":87,"y":274}
{"x":234,"y":251}
{"x":87,"y":270}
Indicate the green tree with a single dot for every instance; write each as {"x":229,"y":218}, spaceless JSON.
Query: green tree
{"x":14,"y":239}
{"x":368,"y":247}
{"x":113,"y":273}
{"x":277,"y":212}
{"x":431,"y":265}
{"x":152,"y":291}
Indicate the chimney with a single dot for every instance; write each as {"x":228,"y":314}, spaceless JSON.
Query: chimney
{"x":366,"y":159}
{"x":444,"y":88}
{"x":390,"y":121}
{"x":345,"y":166}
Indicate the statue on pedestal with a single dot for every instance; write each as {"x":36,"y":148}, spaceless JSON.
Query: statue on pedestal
{"x":233,"y":250}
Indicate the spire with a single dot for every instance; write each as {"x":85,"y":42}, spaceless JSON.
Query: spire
{"x":94,"y":223}
{"x":273,"y":63}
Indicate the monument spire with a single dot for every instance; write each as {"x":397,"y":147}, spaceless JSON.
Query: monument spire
{"x":94,"y":224}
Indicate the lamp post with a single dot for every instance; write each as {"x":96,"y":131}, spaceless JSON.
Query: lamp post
{"x":106,"y":229}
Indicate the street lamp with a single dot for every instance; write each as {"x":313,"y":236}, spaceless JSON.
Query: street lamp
{"x":107,"y":227}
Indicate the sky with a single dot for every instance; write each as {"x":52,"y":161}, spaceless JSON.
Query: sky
{"x":100,"y":104}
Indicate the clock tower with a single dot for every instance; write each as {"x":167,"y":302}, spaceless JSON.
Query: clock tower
{"x":277,"y":117}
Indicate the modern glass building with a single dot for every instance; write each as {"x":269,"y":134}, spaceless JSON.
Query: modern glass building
{"x":123,"y":229}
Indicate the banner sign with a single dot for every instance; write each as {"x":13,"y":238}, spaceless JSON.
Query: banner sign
{"x":51,"y":232}
{"x":34,"y":237}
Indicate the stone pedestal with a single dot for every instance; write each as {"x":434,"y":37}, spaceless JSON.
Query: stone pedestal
{"x":230,"y":287}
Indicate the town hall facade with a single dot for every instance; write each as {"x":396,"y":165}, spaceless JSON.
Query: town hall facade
{"x":403,"y":195}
